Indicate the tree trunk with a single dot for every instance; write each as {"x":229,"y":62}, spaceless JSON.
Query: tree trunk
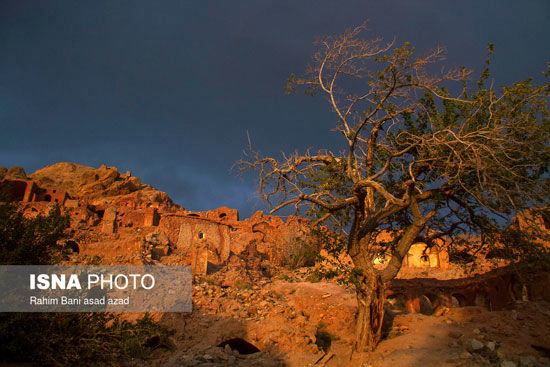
{"x":370,"y":303}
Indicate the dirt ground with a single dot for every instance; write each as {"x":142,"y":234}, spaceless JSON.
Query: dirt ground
{"x":297,"y":324}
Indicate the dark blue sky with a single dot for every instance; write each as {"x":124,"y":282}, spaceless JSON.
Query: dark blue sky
{"x":168,"y":89}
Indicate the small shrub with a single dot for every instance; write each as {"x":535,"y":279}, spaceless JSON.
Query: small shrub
{"x":209,"y":281}
{"x":314,"y":277}
{"x":95,"y":260}
{"x":33,"y":241}
{"x":284,"y":276}
{"x":99,"y":338}
{"x":298,"y":253}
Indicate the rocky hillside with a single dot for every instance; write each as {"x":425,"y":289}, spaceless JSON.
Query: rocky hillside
{"x":82,"y":182}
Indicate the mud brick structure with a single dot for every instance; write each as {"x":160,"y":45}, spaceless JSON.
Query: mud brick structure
{"x":151,"y":217}
{"x":108,"y":224}
{"x":495,"y":290}
{"x":420,"y":255}
{"x":27,"y":191}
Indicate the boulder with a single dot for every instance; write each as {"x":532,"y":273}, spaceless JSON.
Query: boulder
{"x":16,"y":172}
{"x":158,"y":238}
{"x":476,"y":345}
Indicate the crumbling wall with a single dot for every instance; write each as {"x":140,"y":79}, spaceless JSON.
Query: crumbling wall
{"x":108,"y":223}
{"x":421,"y":256}
{"x":24,"y":190}
{"x":50,"y":194}
{"x":18,"y":189}
{"x":494,"y":290}
{"x":193,"y":230}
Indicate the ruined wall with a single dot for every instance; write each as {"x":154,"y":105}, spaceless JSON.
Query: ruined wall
{"x":494,"y":290}
{"x":51,"y":195}
{"x":196,"y":230}
{"x":27,"y":191}
{"x":108,"y":223}
{"x":420,"y":256}
{"x":18,"y":189}
{"x":151,"y":217}
{"x":222,"y":214}
{"x":130,"y":218}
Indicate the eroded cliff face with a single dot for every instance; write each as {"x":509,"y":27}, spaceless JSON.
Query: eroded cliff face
{"x":102,"y":185}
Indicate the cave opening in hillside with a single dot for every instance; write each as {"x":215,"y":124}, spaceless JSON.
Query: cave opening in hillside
{"x":239,"y":345}
{"x":482,"y":300}
{"x":71,"y":246}
{"x":458,"y":300}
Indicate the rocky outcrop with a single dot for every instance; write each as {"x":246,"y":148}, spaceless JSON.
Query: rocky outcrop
{"x":15,"y":172}
{"x":100,"y":186}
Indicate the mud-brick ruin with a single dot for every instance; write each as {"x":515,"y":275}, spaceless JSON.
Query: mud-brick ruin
{"x":116,"y":219}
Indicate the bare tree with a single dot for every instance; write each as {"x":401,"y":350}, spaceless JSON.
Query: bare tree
{"x":412,"y":155}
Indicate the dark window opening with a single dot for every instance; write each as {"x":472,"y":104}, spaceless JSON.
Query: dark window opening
{"x":240,"y":345}
{"x":426,"y":306}
{"x":458,"y":300}
{"x":222,"y":215}
{"x":516,"y":288}
{"x":201,"y":235}
{"x":15,"y":190}
{"x":482,"y":300}
{"x":71,"y":246}
{"x":434,"y":300}
{"x":47,"y":198}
